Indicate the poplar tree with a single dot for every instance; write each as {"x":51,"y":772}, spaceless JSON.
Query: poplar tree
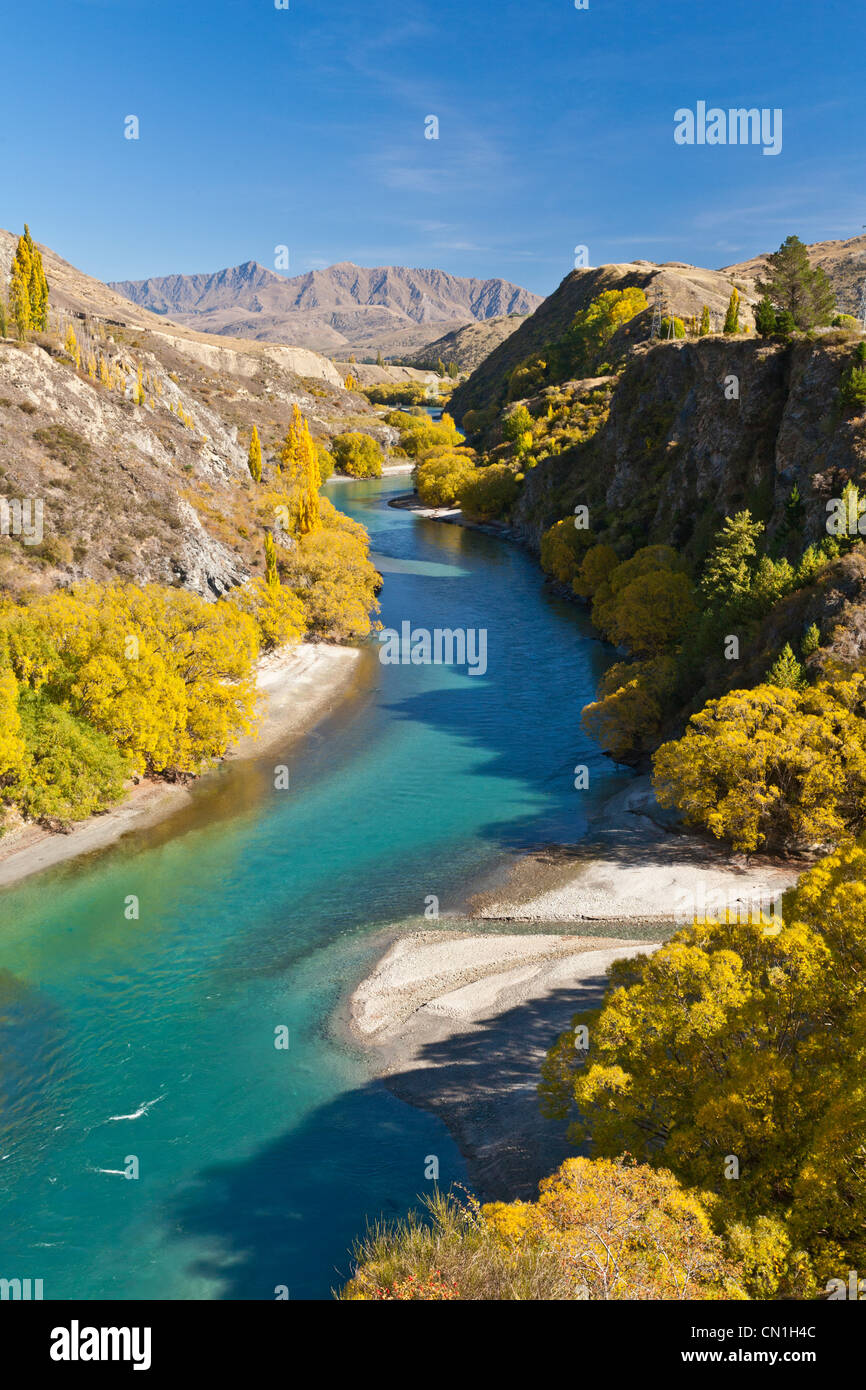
{"x":732,"y":317}
{"x":19,"y":290}
{"x":271,"y":574}
{"x":37,"y":285}
{"x":705,"y":322}
{"x":255,"y":457}
{"x":299,"y":458}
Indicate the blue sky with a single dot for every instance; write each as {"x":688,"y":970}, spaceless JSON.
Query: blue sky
{"x":305,"y":127}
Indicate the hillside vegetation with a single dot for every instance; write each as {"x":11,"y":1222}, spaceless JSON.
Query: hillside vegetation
{"x":162,"y":526}
{"x":705,"y":496}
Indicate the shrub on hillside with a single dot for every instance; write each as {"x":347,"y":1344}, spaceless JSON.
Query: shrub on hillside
{"x":598,"y":1231}
{"x":489,"y":492}
{"x":439,"y":479}
{"x":772,"y":768}
{"x":358,"y":454}
{"x":742,"y":1039}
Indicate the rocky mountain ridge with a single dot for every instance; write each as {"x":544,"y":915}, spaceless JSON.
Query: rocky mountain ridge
{"x":346,"y":306}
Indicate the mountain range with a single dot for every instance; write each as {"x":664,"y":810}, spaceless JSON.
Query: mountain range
{"x":393,"y":309}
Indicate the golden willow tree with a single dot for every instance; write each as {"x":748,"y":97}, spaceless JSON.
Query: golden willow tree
{"x":299,"y":460}
{"x":28,"y":292}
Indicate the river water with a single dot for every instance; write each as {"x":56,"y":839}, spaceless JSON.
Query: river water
{"x":153,"y":1040}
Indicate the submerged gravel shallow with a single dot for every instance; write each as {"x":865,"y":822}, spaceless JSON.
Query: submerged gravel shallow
{"x":460,"y":1023}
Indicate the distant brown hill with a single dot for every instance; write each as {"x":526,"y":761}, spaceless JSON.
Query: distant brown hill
{"x":468,"y":345}
{"x":844,"y":262}
{"x":389,"y":308}
{"x":684,"y":288}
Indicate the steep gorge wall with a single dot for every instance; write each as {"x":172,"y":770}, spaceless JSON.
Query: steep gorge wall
{"x":676,"y":456}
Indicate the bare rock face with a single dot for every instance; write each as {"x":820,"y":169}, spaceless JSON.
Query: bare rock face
{"x":147,"y":483}
{"x":202,"y":563}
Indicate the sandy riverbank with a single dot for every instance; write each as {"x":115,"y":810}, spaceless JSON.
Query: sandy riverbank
{"x":637,"y":864}
{"x":458,"y":1024}
{"x":297,"y":687}
{"x":389,"y":470}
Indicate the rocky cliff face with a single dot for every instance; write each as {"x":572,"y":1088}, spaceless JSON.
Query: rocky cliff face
{"x":154,"y":489}
{"x":677,"y":455}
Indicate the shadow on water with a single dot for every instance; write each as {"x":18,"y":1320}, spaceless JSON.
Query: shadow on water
{"x":291,"y":1212}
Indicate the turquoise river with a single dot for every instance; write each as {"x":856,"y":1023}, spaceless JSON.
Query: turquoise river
{"x":259,"y":908}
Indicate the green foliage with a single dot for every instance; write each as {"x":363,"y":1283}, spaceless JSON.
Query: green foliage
{"x":672,"y":327}
{"x":70,"y":770}
{"x":518,"y":423}
{"x":852,"y":391}
{"x":418,"y":433}
{"x":732,"y":317}
{"x":786,"y":671}
{"x":563,"y":547}
{"x":326,"y":460}
{"x":584,"y":343}
{"x":396,"y":393}
{"x":271,"y":576}
{"x":164,"y":675}
{"x":729,"y":569}
{"x":358,"y":454}
{"x":489,"y":492}
{"x":646,"y":602}
{"x":704,"y":328}
{"x":527,"y":378}
{"x":765,"y":317}
{"x":811,"y":640}
{"x":797,"y":288}
{"x":595,"y":569}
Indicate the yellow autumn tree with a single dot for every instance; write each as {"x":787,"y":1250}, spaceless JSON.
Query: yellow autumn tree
{"x":38,"y":285}
{"x":255,"y":456}
{"x":773,"y":767}
{"x":29,"y":287}
{"x":11,"y":741}
{"x":70,"y":346}
{"x":165,"y":674}
{"x":299,"y":461}
{"x":741,"y":1042}
{"x":599,"y":1231}
{"x":19,"y":290}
